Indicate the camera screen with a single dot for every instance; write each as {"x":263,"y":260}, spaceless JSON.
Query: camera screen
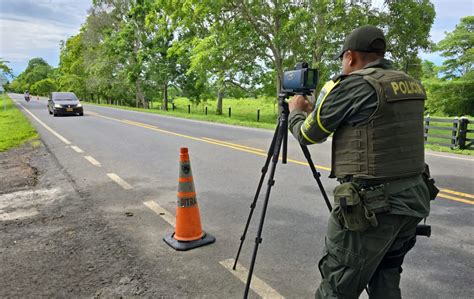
{"x":310,"y":78}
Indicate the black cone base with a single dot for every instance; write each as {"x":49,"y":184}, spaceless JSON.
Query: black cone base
{"x":187,"y":245}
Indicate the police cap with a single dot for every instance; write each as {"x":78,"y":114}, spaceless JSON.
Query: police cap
{"x":366,"y":38}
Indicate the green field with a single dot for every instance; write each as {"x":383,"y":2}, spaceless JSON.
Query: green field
{"x":244,"y":113}
{"x":15,"y":129}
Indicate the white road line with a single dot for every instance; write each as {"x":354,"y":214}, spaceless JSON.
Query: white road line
{"x":450,"y":157}
{"x":45,"y":125}
{"x":119,"y":181}
{"x":77,"y":149}
{"x":257,"y":285}
{"x":167,"y":216}
{"x":93,"y":161}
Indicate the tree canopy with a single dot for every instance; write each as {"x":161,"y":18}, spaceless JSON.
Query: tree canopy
{"x":141,"y":50}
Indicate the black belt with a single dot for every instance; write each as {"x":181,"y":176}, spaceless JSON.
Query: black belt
{"x":391,"y":186}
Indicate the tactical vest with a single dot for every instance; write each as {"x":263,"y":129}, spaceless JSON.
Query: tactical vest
{"x":390,"y":143}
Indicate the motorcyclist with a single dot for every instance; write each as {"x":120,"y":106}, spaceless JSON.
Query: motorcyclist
{"x":27,"y":95}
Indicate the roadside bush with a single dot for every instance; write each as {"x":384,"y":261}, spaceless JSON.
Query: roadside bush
{"x":451,"y":98}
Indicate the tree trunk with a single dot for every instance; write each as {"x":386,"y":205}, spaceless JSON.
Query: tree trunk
{"x":220,"y":96}
{"x":165,"y":97}
{"x":140,"y":97}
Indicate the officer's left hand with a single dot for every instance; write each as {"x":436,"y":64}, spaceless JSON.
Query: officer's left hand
{"x":300,"y":102}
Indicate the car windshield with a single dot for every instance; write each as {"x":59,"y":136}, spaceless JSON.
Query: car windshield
{"x":65,"y":100}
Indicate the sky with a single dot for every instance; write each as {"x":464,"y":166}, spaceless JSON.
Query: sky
{"x":34,"y":28}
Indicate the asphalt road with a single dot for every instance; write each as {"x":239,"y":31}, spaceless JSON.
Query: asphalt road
{"x":142,"y":150}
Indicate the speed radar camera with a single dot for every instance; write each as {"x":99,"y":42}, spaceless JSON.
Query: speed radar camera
{"x":301,"y":80}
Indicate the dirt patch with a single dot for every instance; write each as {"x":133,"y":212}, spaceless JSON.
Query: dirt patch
{"x":16,"y":172}
{"x":53,"y":242}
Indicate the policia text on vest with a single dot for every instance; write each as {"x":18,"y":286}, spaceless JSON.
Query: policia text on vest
{"x":402,"y":89}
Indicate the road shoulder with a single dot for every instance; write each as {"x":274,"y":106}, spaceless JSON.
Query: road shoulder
{"x":53,"y":242}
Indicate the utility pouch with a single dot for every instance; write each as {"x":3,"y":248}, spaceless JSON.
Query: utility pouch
{"x":375,"y":199}
{"x":346,"y":197}
{"x":430,"y":183}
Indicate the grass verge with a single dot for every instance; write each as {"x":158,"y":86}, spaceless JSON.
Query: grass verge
{"x":15,"y":128}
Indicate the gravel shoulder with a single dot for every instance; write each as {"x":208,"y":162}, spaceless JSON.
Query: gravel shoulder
{"x":53,"y":241}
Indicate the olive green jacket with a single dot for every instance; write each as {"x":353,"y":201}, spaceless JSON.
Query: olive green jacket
{"x":353,"y":100}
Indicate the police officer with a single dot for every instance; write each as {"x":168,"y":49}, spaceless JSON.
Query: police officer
{"x":376,"y":117}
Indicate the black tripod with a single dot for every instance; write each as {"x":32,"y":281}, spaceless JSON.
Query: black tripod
{"x":280,"y":138}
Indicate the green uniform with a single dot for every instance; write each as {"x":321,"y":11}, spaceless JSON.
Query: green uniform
{"x":376,"y":117}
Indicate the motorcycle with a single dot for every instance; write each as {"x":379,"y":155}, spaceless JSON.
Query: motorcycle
{"x":27,"y":98}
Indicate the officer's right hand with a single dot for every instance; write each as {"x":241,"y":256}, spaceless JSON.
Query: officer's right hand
{"x":299,"y":102}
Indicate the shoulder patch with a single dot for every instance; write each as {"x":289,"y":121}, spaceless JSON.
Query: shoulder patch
{"x":403,"y":89}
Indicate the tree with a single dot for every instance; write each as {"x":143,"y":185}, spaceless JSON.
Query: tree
{"x":105,"y":77}
{"x":458,"y":48}
{"x":37,"y":70}
{"x":43,"y":87}
{"x":429,"y":70}
{"x":322,"y":26}
{"x":71,"y":70}
{"x":5,"y":68}
{"x":220,"y":49}
{"x":162,"y":70}
{"x":408,"y":24}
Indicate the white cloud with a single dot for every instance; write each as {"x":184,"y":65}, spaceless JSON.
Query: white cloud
{"x":453,"y":9}
{"x":21,"y":38}
{"x":34,"y":28}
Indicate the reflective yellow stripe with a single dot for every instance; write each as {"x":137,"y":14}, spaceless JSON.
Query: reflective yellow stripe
{"x":306,"y":136}
{"x":328,"y":86}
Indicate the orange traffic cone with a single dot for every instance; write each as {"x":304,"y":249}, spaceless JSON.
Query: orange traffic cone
{"x":188,"y":232}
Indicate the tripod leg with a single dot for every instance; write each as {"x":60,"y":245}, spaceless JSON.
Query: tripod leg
{"x":316,"y":175}
{"x":271,"y":182}
{"x":257,"y":193}
{"x":285,"y":146}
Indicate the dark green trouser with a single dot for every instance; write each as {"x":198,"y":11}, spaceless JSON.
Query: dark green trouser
{"x":351,"y":258}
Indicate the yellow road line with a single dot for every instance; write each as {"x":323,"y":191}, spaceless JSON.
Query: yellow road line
{"x":457,"y":193}
{"x":140,"y":124}
{"x":234,"y":144}
{"x":306,"y":164}
{"x":257,"y":285}
{"x":455,"y":198}
{"x":261,"y":153}
{"x":185,"y":136}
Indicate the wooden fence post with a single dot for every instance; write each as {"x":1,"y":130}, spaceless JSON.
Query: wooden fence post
{"x":427,"y":124}
{"x":258,"y":115}
{"x":189,"y":109}
{"x":462,"y":132}
{"x":230,"y":111}
{"x":454,"y":133}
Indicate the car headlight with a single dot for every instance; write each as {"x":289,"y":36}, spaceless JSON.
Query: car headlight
{"x":79,"y":105}
{"x":57,"y":106}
